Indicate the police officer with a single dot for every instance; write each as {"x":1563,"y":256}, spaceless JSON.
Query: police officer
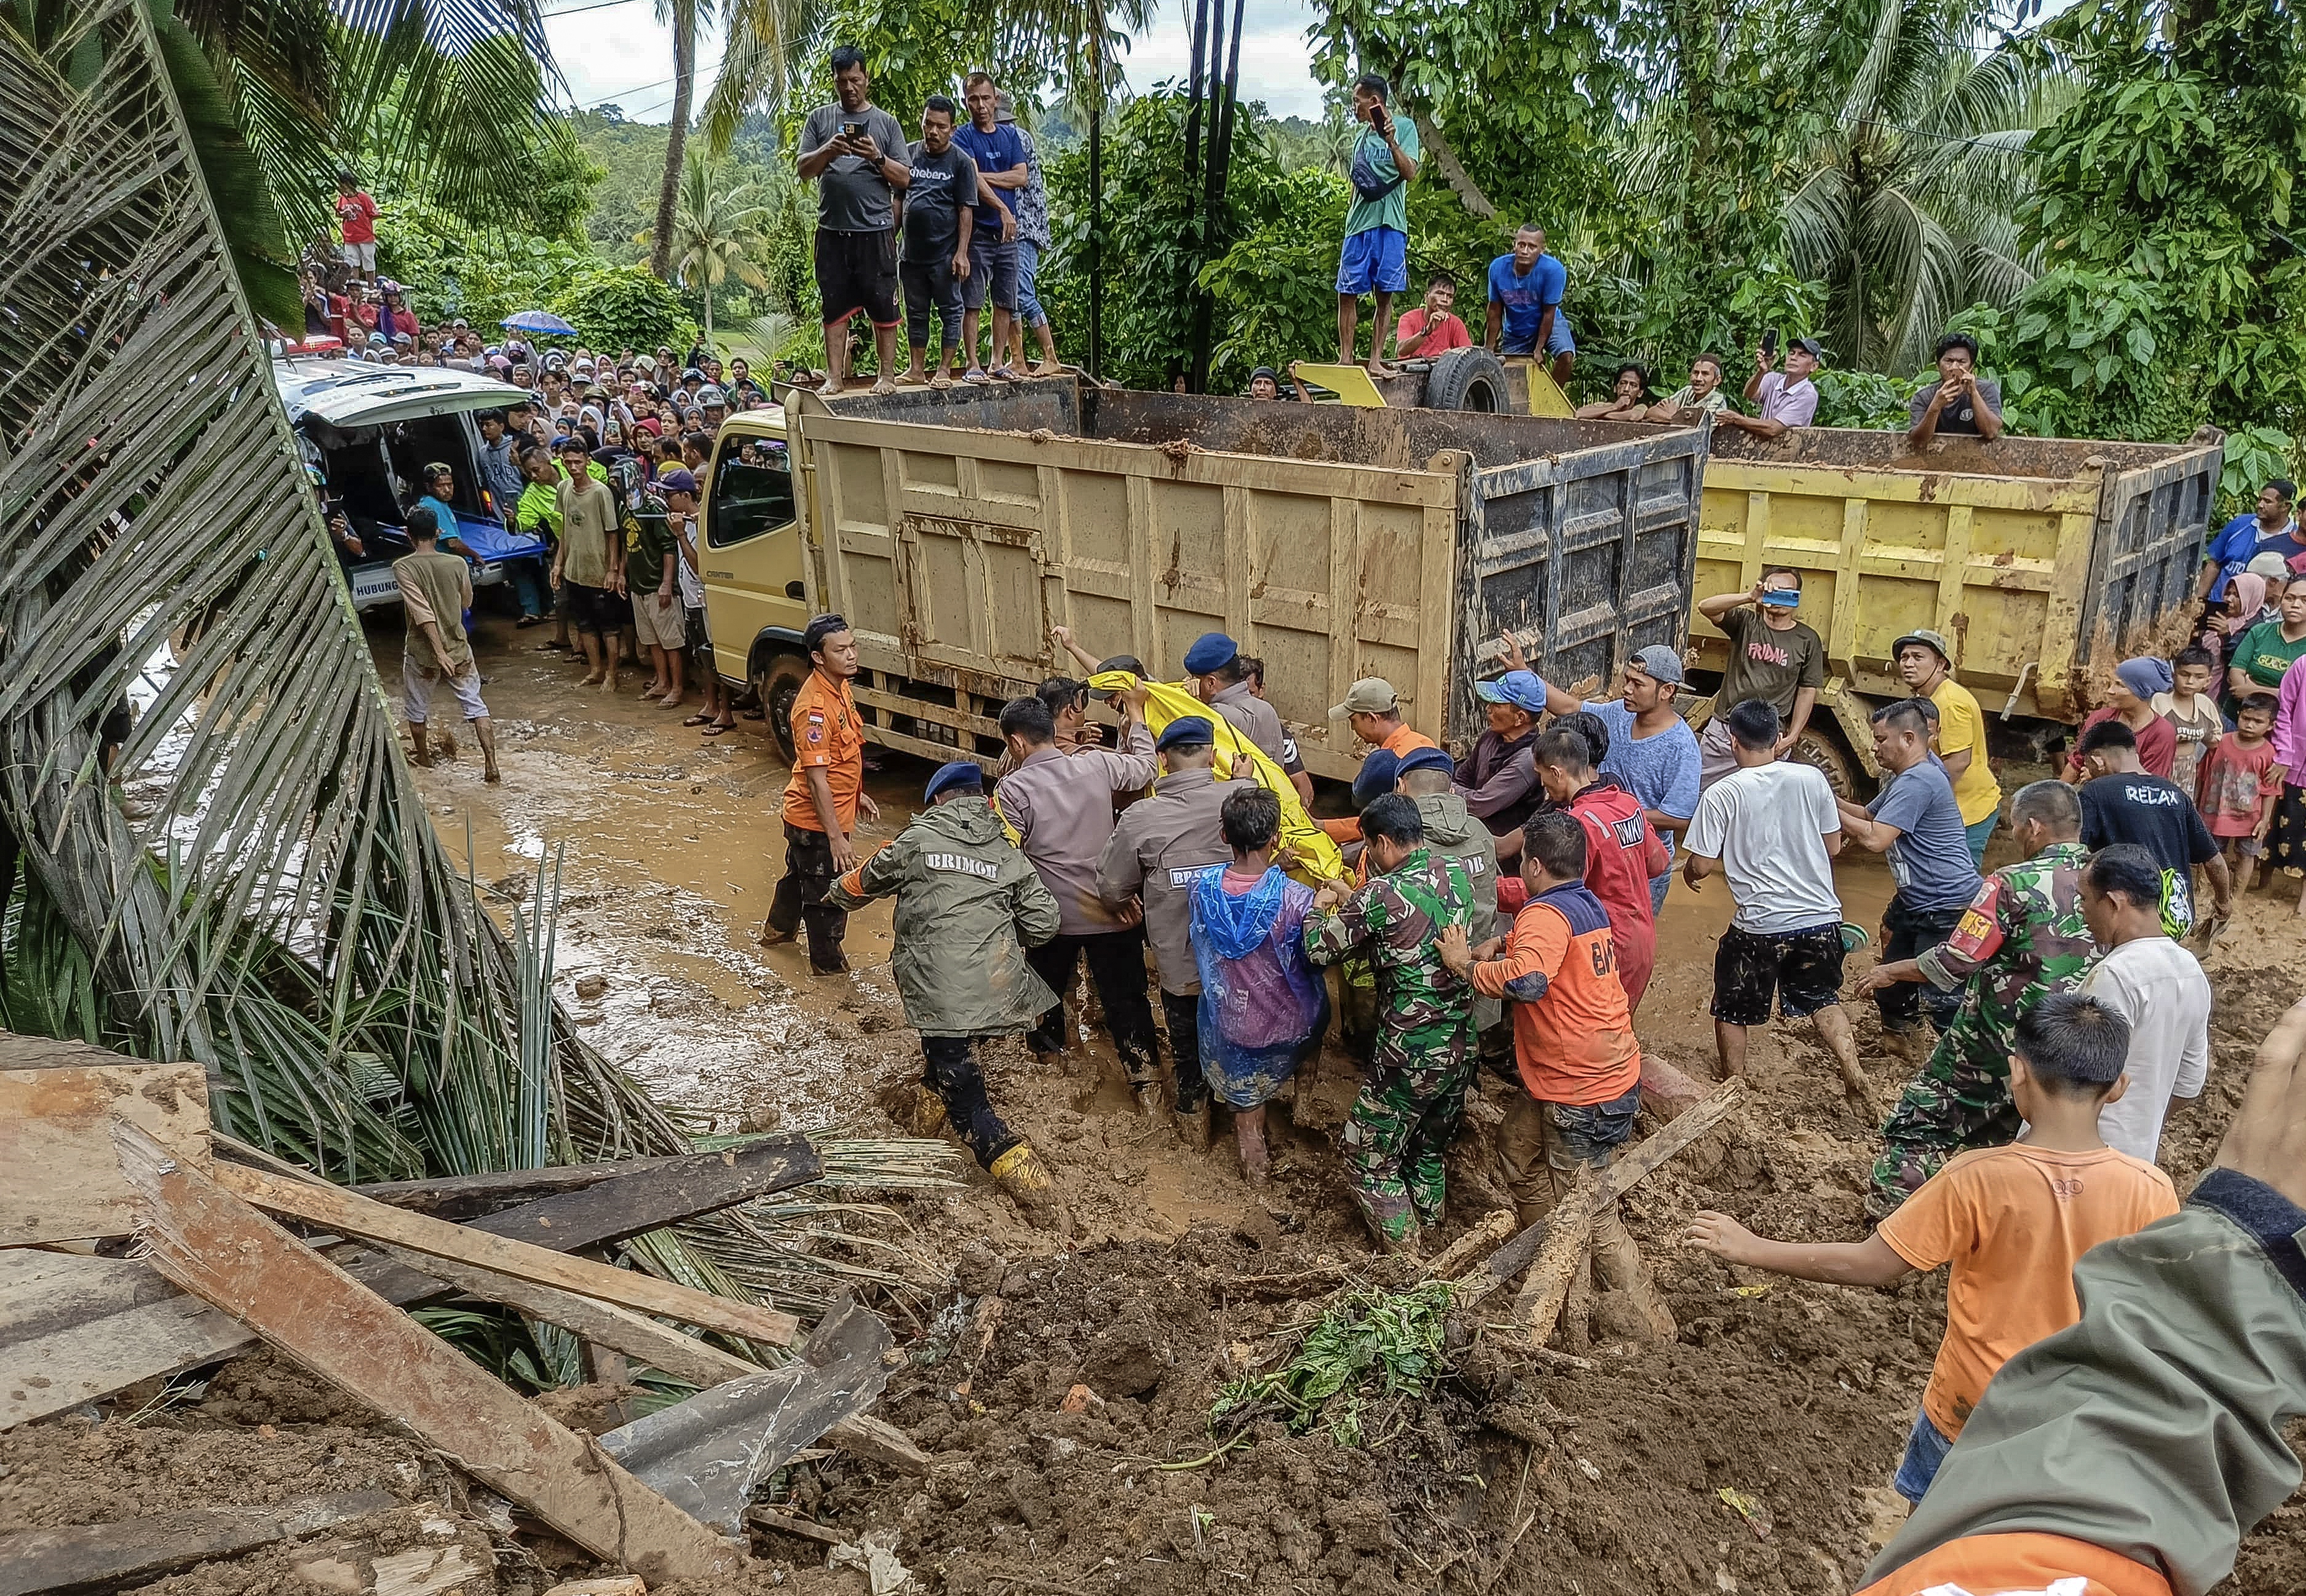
{"x":967,"y":905}
{"x":1159,"y":847}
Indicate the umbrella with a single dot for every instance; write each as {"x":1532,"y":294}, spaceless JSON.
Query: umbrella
{"x":543,"y":322}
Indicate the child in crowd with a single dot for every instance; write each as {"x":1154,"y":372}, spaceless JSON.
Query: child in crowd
{"x":2012,"y":1220}
{"x":2191,"y":710}
{"x":2239,"y":784}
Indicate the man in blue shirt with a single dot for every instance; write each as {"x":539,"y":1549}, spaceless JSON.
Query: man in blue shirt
{"x":1375,"y":259}
{"x":2230,"y":551}
{"x":1001,"y":172}
{"x":1525,"y":289}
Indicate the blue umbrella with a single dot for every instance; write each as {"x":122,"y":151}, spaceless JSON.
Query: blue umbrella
{"x":542,"y":321}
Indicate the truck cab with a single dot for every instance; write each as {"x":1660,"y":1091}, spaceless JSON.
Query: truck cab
{"x":756,"y":602}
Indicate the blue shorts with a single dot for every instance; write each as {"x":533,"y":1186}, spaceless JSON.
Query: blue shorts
{"x":1557,"y":342}
{"x":1925,"y":1449}
{"x":1374,"y":260}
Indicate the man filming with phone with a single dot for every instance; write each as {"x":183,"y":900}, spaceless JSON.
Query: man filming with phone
{"x":1782,"y":400}
{"x":858,"y":155}
{"x":1375,"y":259}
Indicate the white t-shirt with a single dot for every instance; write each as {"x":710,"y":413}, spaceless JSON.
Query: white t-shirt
{"x":1768,"y":826}
{"x":2160,"y":989}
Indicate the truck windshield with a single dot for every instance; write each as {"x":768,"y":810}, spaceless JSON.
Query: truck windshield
{"x":748,"y":497}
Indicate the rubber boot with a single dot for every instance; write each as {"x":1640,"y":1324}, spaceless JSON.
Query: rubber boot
{"x":917,"y":1110}
{"x":1029,"y":1183}
{"x":1149,"y":1100}
{"x":418,"y":753}
{"x":1194,"y":1127}
{"x":488,"y":739}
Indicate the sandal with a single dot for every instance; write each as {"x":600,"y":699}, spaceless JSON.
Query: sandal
{"x":698,"y":720}
{"x":974,"y":377}
{"x":717,"y":728}
{"x":1006,"y":374}
{"x":526,"y":622}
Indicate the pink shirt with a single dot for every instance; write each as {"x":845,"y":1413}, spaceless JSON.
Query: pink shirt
{"x":1794,"y":405}
{"x":2289,"y":738}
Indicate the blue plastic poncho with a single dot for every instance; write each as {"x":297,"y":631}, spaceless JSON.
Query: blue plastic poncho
{"x":1263,"y":1007}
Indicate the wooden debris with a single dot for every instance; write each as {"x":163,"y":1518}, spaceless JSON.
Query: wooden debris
{"x":707,"y":1455}
{"x":616,"y":1584}
{"x":1551,"y":1278}
{"x":106,"y":1557}
{"x":662,"y":1194}
{"x":1510,"y":1260}
{"x":58,"y":1178}
{"x":345,"y":1214}
{"x":1493,"y":1227}
{"x":785,"y":1524}
{"x":469,"y":1196}
{"x":209,"y":1241}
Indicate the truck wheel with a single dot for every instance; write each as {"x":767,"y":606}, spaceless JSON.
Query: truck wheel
{"x":1468,"y":380}
{"x":777,"y":686}
{"x":1817,"y":749}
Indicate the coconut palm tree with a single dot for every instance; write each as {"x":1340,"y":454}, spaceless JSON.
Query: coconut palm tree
{"x":716,"y":226}
{"x":1906,"y":207}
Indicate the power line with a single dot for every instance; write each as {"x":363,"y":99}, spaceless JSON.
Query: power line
{"x":572,"y":11}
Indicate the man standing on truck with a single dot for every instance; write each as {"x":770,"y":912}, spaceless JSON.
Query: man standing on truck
{"x":1061,"y":807}
{"x":1960,"y":402}
{"x":1375,"y":259}
{"x":1525,"y":315}
{"x":1781,"y":401}
{"x":940,"y":210}
{"x":1925,"y":662}
{"x":823,"y":799}
{"x":1003,"y":174}
{"x":1772,"y":657}
{"x":1916,"y":822}
{"x":857,"y":153}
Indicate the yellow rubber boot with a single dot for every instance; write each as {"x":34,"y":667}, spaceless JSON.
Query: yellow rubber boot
{"x":1020,"y":1173}
{"x":917,"y":1110}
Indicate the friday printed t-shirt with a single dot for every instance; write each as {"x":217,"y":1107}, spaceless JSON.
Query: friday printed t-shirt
{"x":942,"y":185}
{"x":1768,"y":664}
{"x":1931,"y":858}
{"x":827,"y":736}
{"x":1372,"y":165}
{"x":2011,"y":1221}
{"x":852,"y":196}
{"x":1525,"y":297}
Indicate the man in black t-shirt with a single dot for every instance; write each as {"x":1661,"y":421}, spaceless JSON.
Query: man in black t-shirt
{"x":2121,"y":802}
{"x":940,"y":206}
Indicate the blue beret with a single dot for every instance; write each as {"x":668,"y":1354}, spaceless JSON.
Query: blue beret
{"x":960,"y":772}
{"x":1379,"y":768}
{"x":1211,"y":650}
{"x":1425,"y":759}
{"x":1186,"y":730}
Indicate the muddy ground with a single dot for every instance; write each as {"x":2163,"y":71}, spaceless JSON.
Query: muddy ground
{"x":1053,"y":1378}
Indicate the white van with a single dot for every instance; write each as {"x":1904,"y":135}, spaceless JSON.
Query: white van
{"x":371,"y":430}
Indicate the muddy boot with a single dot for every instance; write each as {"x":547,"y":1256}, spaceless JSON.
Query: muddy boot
{"x":487,"y":736}
{"x":1029,"y":1183}
{"x":917,"y":1110}
{"x":1194,"y":1127}
{"x":1149,"y":1100}
{"x":418,"y":753}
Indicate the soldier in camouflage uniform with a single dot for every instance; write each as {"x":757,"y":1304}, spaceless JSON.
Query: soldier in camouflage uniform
{"x":2022,"y":939}
{"x":1401,"y":1124}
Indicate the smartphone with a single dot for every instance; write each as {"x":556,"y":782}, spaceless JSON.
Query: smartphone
{"x":852,"y":129}
{"x":1770,"y":344}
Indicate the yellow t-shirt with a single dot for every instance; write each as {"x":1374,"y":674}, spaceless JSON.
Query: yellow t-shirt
{"x":1962,"y":725}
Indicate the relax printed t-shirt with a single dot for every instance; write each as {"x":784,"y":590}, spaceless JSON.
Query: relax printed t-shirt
{"x":2156,"y":815}
{"x":1768,"y":664}
{"x":852,"y":196}
{"x":995,"y":152}
{"x":942,"y":185}
{"x":1526,"y":297}
{"x":2011,"y":1221}
{"x":1960,"y":726}
{"x":1931,"y":857}
{"x":827,"y":736}
{"x":1372,"y":164}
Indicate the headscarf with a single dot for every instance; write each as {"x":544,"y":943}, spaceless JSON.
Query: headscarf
{"x":2250,"y":588}
{"x":2144,"y":676}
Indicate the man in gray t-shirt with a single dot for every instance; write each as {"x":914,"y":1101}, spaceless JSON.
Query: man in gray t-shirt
{"x":856,"y":152}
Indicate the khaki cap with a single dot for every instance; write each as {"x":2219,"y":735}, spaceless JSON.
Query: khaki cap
{"x":1370,"y":696}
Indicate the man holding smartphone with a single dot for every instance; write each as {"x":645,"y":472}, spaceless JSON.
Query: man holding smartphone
{"x":857,"y":153}
{"x":1783,"y":400}
{"x":1375,"y":259}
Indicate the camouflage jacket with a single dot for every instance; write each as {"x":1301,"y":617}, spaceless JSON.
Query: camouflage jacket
{"x":2022,"y":939}
{"x":1424,"y":1009}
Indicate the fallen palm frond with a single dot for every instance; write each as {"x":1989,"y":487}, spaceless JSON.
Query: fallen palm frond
{"x":224,"y":858}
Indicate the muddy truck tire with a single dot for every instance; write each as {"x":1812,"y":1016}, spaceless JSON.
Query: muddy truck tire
{"x":1468,"y":380}
{"x":776,"y":683}
{"x":1824,"y":752}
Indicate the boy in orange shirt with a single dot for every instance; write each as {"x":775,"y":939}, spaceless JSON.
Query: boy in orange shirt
{"x":2011,"y":1221}
{"x":1573,"y":1042}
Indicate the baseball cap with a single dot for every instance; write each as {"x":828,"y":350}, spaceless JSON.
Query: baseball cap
{"x":1186,"y":731}
{"x":1660,"y":663}
{"x":1520,"y":689}
{"x":692,"y":372}
{"x":1424,"y":759}
{"x":710,"y":395}
{"x":1923,"y":635}
{"x":1211,"y":650}
{"x":678,"y":479}
{"x":1370,"y":696}
{"x":1816,"y":350}
{"x":959,"y":773}
{"x":2269,"y":565}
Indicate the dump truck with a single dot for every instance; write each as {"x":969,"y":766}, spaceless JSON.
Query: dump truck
{"x":2045,"y":561}
{"x":954,"y":528}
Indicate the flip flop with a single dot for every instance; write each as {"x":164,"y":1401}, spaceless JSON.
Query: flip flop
{"x":698,"y":720}
{"x":715,"y":730}
{"x":974,"y":377}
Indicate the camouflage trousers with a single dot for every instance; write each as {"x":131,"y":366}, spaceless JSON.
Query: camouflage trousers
{"x":1954,"y":1104}
{"x":1397,"y":1132}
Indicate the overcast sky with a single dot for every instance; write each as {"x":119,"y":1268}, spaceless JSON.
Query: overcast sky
{"x":618,"y":52}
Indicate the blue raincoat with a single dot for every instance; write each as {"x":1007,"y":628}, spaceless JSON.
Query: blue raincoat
{"x":1263,"y":1007}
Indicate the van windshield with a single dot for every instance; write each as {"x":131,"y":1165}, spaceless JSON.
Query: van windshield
{"x":749,"y":497}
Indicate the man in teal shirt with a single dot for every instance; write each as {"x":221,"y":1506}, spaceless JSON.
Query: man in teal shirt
{"x":1375,"y":259}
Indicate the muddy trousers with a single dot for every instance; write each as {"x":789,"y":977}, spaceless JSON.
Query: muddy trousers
{"x":1116,"y":969}
{"x":954,"y":1076}
{"x":1395,"y":1139}
{"x":1905,"y":932}
{"x":1540,"y":1147}
{"x":800,"y":899}
{"x":1953,"y":1106}
{"x":1182,"y":1017}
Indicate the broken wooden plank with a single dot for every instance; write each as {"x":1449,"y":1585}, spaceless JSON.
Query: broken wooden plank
{"x":94,"y":1557}
{"x":58,"y":1178}
{"x":1510,"y":1260}
{"x":465,"y":1196}
{"x":1538,"y":1306}
{"x":785,"y":1524}
{"x":662,"y":1194}
{"x":707,"y":1455}
{"x":209,"y":1241}
{"x":345,"y":1214}
{"x":1492,"y":1228}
